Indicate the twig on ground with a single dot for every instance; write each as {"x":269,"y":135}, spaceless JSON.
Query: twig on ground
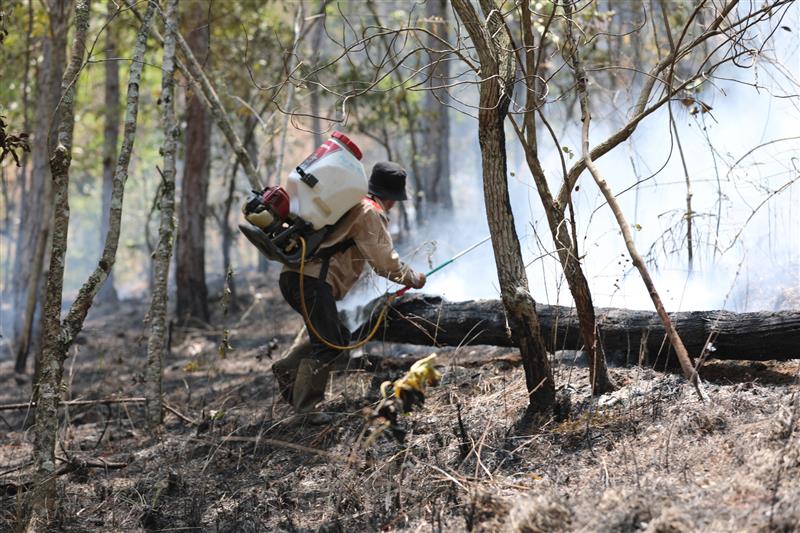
{"x":283,"y":444}
{"x":16,"y":468}
{"x":103,"y":401}
{"x":177,"y":413}
{"x":75,"y":463}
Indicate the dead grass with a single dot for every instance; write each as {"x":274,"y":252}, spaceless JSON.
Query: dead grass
{"x":648,"y":457}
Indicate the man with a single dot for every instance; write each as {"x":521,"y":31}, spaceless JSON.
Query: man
{"x":361,"y":237}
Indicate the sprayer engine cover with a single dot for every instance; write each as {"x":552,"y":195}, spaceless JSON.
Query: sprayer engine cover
{"x":276,"y":200}
{"x":267,"y":208}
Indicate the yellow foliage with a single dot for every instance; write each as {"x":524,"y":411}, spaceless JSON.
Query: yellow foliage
{"x":192,"y":366}
{"x":411,"y":386}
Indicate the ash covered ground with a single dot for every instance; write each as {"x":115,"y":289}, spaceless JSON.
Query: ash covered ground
{"x":648,"y":457}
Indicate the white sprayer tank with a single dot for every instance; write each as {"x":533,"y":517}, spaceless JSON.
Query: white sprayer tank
{"x":328,"y":183}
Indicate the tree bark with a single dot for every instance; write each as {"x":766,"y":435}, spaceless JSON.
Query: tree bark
{"x":299,"y":21}
{"x":316,"y":90}
{"x":108,"y":294}
{"x":36,"y":216}
{"x":157,"y":341}
{"x":497,"y":72}
{"x":626,"y":335}
{"x":47,"y":389}
{"x":13,"y":261}
{"x":59,"y":336}
{"x":566,"y":244}
{"x":190,"y":271}
{"x":581,"y":84}
{"x":436,"y":100}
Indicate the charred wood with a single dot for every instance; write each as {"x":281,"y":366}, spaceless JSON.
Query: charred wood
{"x":628,"y":336}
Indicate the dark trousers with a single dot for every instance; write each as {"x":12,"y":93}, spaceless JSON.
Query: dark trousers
{"x":322,"y":312}
{"x":302,"y":375}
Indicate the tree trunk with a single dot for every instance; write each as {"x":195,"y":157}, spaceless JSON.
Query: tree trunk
{"x":629,"y":336}
{"x":581,"y":85}
{"x":225,"y":227}
{"x":403,"y":109}
{"x":20,"y":192}
{"x":35,"y":221}
{"x":58,"y":336}
{"x":299,"y":21}
{"x":314,"y":97}
{"x":497,"y":71}
{"x":190,"y":271}
{"x":108,"y":294}
{"x":47,"y":390}
{"x":437,"y":132}
{"x":566,"y":243}
{"x":157,"y":341}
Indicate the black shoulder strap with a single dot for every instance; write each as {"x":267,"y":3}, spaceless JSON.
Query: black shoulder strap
{"x":326,"y":253}
{"x":329,"y":252}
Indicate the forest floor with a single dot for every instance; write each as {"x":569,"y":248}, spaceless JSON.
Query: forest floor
{"x":648,"y":457}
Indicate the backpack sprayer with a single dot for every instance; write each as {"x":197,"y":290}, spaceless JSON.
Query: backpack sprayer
{"x":289,"y":223}
{"x":315,"y":195}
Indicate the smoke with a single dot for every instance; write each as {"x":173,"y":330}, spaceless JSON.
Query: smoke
{"x":743,"y":160}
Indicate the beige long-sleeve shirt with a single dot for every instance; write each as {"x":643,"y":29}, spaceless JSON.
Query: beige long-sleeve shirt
{"x":368,"y":225}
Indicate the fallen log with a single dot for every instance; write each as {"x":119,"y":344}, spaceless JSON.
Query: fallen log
{"x":627,"y":336}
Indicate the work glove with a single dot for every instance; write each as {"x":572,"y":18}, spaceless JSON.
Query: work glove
{"x":418,"y":281}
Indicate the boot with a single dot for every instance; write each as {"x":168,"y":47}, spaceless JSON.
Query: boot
{"x":309,"y":385}
{"x":285,"y":369}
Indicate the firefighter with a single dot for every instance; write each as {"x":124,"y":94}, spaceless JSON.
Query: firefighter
{"x":361,"y":237}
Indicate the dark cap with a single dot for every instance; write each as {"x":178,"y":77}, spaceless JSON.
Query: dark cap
{"x":388,"y":181}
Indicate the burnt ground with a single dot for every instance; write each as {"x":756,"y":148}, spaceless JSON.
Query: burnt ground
{"x":649,"y":457}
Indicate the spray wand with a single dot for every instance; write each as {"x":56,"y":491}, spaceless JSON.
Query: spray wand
{"x":441,"y":266}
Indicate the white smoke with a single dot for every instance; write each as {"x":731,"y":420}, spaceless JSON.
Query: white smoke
{"x":746,"y":240}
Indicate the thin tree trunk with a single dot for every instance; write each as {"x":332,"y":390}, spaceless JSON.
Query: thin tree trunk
{"x":290,"y":65}
{"x":497,"y":71}
{"x":437,"y":132}
{"x":314,"y":97}
{"x":566,"y":244}
{"x":47,"y":391}
{"x":157,"y":341}
{"x":202,"y":86}
{"x":13,"y":262}
{"x":581,"y":82}
{"x":36,"y":214}
{"x":223,"y":219}
{"x":59,"y":336}
{"x":108,"y":293}
{"x":190,"y":271}
{"x":689,"y":215}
